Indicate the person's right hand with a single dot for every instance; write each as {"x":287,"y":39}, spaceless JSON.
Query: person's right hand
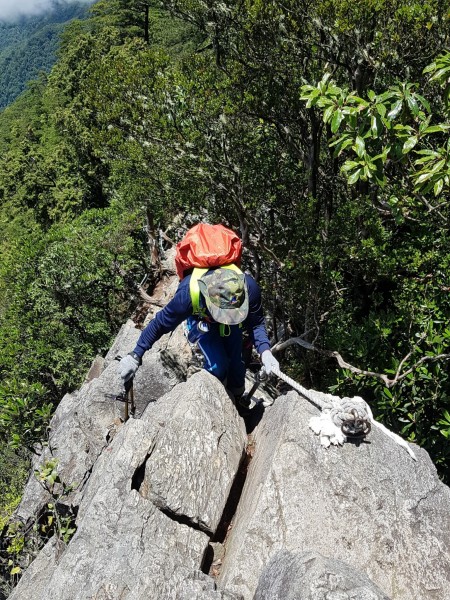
{"x":269,"y":362}
{"x":128,"y":366}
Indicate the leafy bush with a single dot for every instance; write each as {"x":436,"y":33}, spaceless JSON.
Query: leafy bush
{"x":71,"y":293}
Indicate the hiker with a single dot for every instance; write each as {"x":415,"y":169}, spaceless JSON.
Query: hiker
{"x":217,"y":300}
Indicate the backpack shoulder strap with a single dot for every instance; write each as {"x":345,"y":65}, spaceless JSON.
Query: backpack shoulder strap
{"x":194,"y":290}
{"x":232,"y":267}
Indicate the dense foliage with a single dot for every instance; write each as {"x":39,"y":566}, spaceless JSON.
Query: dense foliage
{"x":320,"y":132}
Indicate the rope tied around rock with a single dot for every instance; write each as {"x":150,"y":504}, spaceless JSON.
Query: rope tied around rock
{"x":341,"y":418}
{"x":349,"y":414}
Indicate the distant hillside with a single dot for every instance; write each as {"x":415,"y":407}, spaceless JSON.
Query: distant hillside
{"x":28,"y":46}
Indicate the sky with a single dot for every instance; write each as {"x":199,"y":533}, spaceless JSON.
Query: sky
{"x":10,"y":9}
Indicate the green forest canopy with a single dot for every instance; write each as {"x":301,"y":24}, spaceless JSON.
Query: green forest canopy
{"x":319,"y":131}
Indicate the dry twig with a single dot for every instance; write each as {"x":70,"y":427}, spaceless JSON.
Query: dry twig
{"x":345,"y":365}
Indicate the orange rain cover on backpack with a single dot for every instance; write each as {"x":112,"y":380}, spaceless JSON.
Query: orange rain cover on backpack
{"x":207,"y":246}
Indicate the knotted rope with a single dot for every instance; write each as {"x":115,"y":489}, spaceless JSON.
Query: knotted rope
{"x":340,"y":416}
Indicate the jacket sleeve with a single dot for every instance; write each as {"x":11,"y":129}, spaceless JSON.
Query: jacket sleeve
{"x":167,"y":319}
{"x":254,"y":323}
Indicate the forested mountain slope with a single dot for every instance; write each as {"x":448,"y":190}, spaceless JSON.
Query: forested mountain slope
{"x":29,"y":44}
{"x":320,"y":133}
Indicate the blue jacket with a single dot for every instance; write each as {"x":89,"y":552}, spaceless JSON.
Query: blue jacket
{"x":180,"y":308}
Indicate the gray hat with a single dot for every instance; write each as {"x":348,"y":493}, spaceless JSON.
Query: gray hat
{"x":226,"y":295}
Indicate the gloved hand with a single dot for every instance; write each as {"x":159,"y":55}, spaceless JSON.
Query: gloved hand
{"x":128,"y":366}
{"x":269,"y":361}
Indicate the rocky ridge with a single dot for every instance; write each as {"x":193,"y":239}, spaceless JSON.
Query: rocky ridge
{"x":183,"y":503}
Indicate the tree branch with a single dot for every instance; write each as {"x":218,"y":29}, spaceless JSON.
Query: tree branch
{"x":345,"y":365}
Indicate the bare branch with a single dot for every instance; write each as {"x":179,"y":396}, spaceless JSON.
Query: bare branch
{"x":419,"y":362}
{"x":166,"y":238}
{"x":345,"y":365}
{"x":432,"y":208}
{"x":149,"y":299}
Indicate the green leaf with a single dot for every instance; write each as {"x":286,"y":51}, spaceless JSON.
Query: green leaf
{"x":336,"y":120}
{"x":312,"y":98}
{"x":409,"y":144}
{"x":381,"y":108}
{"x":307,"y":88}
{"x":403,"y":128}
{"x":376,"y":126}
{"x":324,"y":81}
{"x":412,"y":105}
{"x":367,"y":172}
{"x":386,"y":96}
{"x":349,"y":165}
{"x":437,"y":128}
{"x":395,"y":110}
{"x":360,"y":146}
{"x":424,"y":102}
{"x":387,"y":392}
{"x":429,"y":68}
{"x":438,"y":187}
{"x":438,"y":166}
{"x":440,"y":73}
{"x":380,"y":179}
{"x":328,"y":112}
{"x":354,"y":177}
{"x":427,"y":152}
{"x":383,"y":156}
{"x":343,"y":144}
{"x":424,"y":177}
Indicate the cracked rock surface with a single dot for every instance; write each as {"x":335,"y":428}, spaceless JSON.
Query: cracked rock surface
{"x":150,"y":542}
{"x":369,"y":505}
{"x":88,"y":419}
{"x":309,"y":576}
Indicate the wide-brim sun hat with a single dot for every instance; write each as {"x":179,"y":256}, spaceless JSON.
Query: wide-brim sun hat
{"x":226,"y":295}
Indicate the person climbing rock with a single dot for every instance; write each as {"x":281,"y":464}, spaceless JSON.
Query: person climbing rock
{"x":218,"y":302}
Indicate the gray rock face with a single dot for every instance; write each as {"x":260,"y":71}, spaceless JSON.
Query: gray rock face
{"x":87,"y":420}
{"x":309,"y":576}
{"x":370,"y":505}
{"x":154,"y":495}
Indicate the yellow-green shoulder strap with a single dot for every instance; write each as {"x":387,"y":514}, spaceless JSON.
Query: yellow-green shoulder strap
{"x":194,"y":288}
{"x":232,"y":268}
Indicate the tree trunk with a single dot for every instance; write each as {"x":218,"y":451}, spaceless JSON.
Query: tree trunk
{"x":146,"y":25}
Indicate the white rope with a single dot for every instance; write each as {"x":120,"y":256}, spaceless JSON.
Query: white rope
{"x":334,"y":411}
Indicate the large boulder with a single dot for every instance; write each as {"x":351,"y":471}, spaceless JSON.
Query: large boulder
{"x":86,"y":421}
{"x":155,"y":496}
{"x":369,"y":505}
{"x":309,"y":576}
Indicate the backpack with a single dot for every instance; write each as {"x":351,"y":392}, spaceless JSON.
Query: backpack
{"x":207,"y":246}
